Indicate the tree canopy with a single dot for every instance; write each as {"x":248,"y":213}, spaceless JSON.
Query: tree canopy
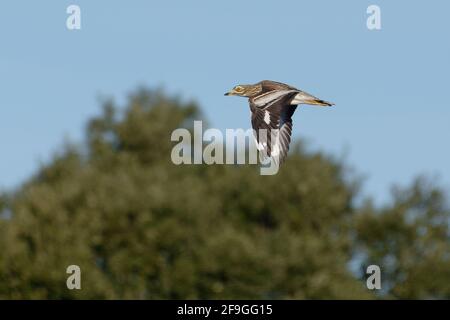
{"x":141,"y":227}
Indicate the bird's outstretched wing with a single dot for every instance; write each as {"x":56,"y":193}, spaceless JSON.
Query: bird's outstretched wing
{"x":272,"y":123}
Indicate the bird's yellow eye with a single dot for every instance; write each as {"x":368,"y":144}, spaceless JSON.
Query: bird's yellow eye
{"x":238,"y":89}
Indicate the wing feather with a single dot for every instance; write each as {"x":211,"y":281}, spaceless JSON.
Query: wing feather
{"x":274,"y":136}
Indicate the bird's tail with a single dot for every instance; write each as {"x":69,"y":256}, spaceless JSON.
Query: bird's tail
{"x":319,"y":102}
{"x":306,"y":98}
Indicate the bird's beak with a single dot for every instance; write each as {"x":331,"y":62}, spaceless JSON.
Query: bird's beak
{"x":229,"y":93}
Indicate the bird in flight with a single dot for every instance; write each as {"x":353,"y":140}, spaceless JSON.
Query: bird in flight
{"x":272,"y":105}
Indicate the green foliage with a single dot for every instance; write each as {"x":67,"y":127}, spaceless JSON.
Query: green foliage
{"x":411,"y":240}
{"x":141,"y":227}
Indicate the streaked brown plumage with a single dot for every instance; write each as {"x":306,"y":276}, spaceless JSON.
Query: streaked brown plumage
{"x":272,"y":105}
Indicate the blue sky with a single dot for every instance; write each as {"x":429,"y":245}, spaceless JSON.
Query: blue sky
{"x":390,"y":86}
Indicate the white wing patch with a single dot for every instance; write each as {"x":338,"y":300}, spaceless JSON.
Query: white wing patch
{"x":271,"y":96}
{"x":267,"y":117}
{"x":260,"y":145}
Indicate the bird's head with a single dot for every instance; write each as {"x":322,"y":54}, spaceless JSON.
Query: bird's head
{"x":245,"y":90}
